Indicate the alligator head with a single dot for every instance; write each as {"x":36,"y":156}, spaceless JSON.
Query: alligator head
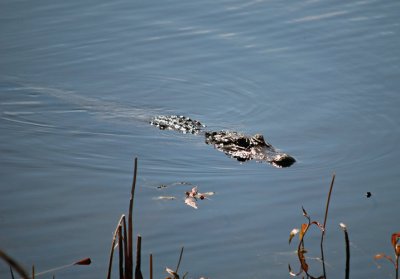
{"x":244,"y":148}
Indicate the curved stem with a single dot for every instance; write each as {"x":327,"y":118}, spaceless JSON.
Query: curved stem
{"x":325,"y":218}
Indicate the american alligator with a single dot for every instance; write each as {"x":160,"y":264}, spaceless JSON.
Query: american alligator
{"x":236,"y":145}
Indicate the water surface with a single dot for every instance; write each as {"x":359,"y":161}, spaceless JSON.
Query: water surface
{"x":80,"y":80}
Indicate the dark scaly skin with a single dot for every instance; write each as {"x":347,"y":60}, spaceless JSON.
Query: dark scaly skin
{"x":178,"y":123}
{"x":241,"y":147}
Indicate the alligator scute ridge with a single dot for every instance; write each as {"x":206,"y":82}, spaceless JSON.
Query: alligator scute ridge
{"x":178,"y":123}
{"x":236,"y":145}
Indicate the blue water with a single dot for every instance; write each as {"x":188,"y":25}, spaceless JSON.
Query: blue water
{"x":79,"y":81}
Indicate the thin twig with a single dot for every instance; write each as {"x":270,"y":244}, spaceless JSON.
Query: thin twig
{"x":179,"y":261}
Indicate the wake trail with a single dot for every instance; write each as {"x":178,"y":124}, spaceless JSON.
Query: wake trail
{"x":94,"y":106}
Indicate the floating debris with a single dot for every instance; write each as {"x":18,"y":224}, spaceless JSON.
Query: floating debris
{"x":165,"y":198}
{"x":193,"y":195}
{"x":368,"y":194}
{"x":191,"y":202}
{"x":162,"y":186}
{"x":171,"y":272}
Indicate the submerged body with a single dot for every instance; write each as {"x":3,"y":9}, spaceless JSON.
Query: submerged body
{"x":236,"y":145}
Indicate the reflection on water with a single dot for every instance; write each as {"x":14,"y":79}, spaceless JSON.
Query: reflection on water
{"x":80,"y":81}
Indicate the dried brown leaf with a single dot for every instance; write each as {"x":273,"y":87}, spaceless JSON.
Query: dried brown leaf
{"x":379,"y":256}
{"x":303,"y":230}
{"x":86,"y":261}
{"x":395,"y":239}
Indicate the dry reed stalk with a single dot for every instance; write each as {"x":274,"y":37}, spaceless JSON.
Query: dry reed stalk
{"x":327,"y":206}
{"x":347,"y":255}
{"x":325,"y":219}
{"x":138,"y":272}
{"x":121,"y":253}
{"x":33,"y":272}
{"x":179,"y":261}
{"x":151,"y":266}
{"x":113,"y":245}
{"x":13,"y":264}
{"x":347,"y":241}
{"x":129,"y":258}
{"x":125,"y":246}
{"x":125,"y":242}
